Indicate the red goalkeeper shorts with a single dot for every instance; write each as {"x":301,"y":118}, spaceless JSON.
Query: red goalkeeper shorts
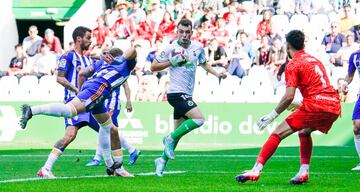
{"x":321,"y":121}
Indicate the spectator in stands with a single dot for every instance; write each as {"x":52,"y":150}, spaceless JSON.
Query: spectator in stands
{"x":221,"y":33}
{"x":18,"y":63}
{"x":263,"y":55}
{"x":305,"y":7}
{"x":32,"y":42}
{"x":286,"y":7}
{"x":145,"y":30}
{"x":163,"y":94}
{"x":167,"y":27}
{"x":246,"y":44}
{"x":52,"y":41}
{"x":113,"y":15}
{"x":356,"y":30}
{"x":144,"y":92}
{"x":347,"y":21}
{"x":136,"y":14}
{"x":239,"y":62}
{"x":216,"y":54}
{"x":101,"y":32}
{"x":278,"y":54}
{"x":196,"y":14}
{"x":121,"y":27}
{"x":248,"y":7}
{"x":156,"y":13}
{"x":344,"y":52}
{"x":264,"y":26}
{"x":333,"y":41}
{"x":44,"y":62}
{"x":150,"y":58}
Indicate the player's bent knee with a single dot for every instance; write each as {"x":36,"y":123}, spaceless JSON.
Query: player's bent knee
{"x":356,"y":130}
{"x":199,"y":122}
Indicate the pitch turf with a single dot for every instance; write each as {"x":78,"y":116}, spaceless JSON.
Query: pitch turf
{"x":190,"y":171}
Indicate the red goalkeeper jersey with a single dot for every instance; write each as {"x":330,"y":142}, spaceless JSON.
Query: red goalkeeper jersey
{"x":309,"y":75}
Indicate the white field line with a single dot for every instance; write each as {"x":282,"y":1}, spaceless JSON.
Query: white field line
{"x":173,"y":172}
{"x":85,"y":176}
{"x":197,"y":155}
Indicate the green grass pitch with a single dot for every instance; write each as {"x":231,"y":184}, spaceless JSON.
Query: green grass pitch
{"x":190,"y":171}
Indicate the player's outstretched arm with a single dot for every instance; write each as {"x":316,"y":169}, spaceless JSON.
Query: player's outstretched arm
{"x":130,"y":53}
{"x":84,"y":74}
{"x":156,"y":66}
{"x":128,"y":96}
{"x":283,"y":104}
{"x":61,"y":79}
{"x":211,"y":70}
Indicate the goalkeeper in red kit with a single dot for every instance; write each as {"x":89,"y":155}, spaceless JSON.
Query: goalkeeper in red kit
{"x":318,"y":110}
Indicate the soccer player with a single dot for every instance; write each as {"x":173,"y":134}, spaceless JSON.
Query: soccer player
{"x":67,"y":75}
{"x":319,"y":109}
{"x":354,"y":65}
{"x":91,"y":99}
{"x":182,"y":57}
{"x":113,"y":106}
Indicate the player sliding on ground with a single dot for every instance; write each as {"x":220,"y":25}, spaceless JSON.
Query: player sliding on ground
{"x":91,"y":99}
{"x":318,"y":111}
{"x":182,"y":57}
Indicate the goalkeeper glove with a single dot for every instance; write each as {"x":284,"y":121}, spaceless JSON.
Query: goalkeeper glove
{"x":266,"y":120}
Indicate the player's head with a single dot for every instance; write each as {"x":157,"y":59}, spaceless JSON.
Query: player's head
{"x":294,"y":42}
{"x":184,"y":31}
{"x":115,"y":52}
{"x":82,"y":37}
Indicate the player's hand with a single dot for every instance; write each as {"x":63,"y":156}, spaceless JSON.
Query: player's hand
{"x":344,"y":87}
{"x":128,"y":106}
{"x":266,"y":120}
{"x":222,"y":75}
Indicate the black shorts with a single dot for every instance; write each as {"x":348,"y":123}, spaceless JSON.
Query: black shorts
{"x":182,"y":103}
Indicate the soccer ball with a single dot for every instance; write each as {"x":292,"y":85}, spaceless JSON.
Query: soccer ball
{"x":177,"y":57}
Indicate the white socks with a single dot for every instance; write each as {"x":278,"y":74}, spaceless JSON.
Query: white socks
{"x":53,"y":156}
{"x":52,"y":109}
{"x":258,"y":166}
{"x":303,"y":168}
{"x":126,"y":145}
{"x":117,"y":155}
{"x":357,"y":144}
{"x":104,"y":142}
{"x":98,"y":153}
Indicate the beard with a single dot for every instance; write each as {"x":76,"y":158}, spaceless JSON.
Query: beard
{"x":83,"y":46}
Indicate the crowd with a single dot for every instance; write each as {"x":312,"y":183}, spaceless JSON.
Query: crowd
{"x":236,"y":35}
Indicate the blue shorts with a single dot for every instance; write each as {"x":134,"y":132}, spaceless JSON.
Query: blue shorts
{"x":356,"y":112}
{"x":93,"y":93}
{"x":82,"y":120}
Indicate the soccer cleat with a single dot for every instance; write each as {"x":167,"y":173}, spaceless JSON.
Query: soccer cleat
{"x":134,"y":156}
{"x":251,"y":175}
{"x":45,"y":173}
{"x":300,"y":178}
{"x":93,"y":162}
{"x":111,"y":170}
{"x":357,"y":168}
{"x":159,"y":166}
{"x":122,"y":172}
{"x":169,"y":144}
{"x":26,"y":115}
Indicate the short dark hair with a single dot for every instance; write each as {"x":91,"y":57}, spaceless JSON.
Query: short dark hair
{"x":115,"y":52}
{"x":80,"y":32}
{"x":296,"y":39}
{"x":17,"y":45}
{"x":185,"y":22}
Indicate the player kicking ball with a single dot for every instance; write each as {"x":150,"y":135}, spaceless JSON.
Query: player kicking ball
{"x":182,"y":57}
{"x":318,"y":111}
{"x":354,"y":65}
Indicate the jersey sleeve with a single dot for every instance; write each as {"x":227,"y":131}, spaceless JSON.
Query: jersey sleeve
{"x":64,"y":62}
{"x":164,"y":55}
{"x":291,"y":76}
{"x":202,"y":57}
{"x":351,"y":68}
